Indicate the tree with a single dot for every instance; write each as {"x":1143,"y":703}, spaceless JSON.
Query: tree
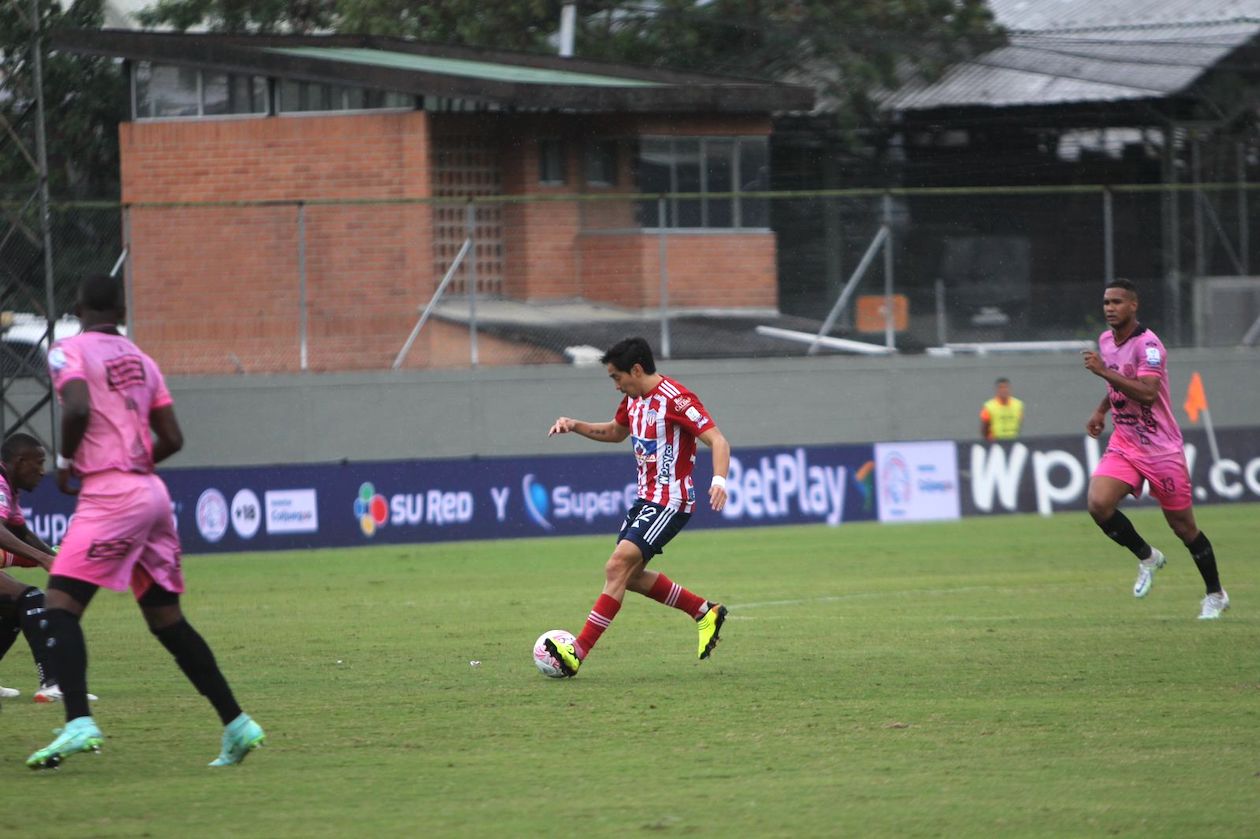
{"x":85,"y":98}
{"x":844,"y":49}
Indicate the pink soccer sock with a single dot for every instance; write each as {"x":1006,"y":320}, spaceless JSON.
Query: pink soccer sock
{"x":602,"y":614}
{"x":666,"y":591}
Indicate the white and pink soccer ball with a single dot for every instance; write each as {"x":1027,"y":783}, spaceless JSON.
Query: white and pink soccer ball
{"x":545,"y":661}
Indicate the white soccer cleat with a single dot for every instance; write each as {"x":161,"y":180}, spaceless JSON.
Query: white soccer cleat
{"x":9,"y":693}
{"x":1146,"y":572}
{"x":1213,"y":605}
{"x":52,"y":693}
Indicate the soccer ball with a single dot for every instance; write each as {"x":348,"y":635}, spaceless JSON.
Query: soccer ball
{"x":544,"y":660}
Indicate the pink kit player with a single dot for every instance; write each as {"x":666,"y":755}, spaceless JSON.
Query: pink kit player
{"x":113,"y":402}
{"x":1145,"y":446}
{"x":663,"y":420}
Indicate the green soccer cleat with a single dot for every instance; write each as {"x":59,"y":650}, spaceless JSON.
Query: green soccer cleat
{"x":79,"y":735}
{"x":710,"y":624}
{"x":240,"y":737}
{"x":565,"y":654}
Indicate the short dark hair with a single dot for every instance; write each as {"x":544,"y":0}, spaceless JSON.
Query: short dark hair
{"x":1127,"y":285}
{"x":102,"y":293}
{"x":17,"y":444}
{"x":1002,"y":380}
{"x":626,"y":353}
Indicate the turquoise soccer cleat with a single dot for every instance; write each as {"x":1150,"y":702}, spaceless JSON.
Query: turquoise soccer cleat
{"x":79,"y":735}
{"x":240,"y":737}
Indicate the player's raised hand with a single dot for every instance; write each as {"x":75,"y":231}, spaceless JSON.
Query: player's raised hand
{"x":1093,"y":363}
{"x":563,"y":425}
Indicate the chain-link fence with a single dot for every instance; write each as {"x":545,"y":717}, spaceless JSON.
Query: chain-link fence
{"x":282,"y":286}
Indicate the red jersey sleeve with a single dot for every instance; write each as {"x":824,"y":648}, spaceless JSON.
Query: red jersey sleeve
{"x":686,"y":410}
{"x":623,"y":413}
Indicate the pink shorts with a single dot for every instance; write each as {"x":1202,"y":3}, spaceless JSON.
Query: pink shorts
{"x":1168,"y":476}
{"x":122,"y":535}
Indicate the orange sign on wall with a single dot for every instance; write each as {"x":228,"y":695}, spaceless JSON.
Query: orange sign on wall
{"x":870,"y":312}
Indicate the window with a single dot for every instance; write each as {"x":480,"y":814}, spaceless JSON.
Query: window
{"x":714,"y":173}
{"x":551,"y":168}
{"x":601,"y":163}
{"x":164,"y":90}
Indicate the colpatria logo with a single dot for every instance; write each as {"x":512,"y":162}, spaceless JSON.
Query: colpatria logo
{"x":370,"y":509}
{"x":537,"y":502}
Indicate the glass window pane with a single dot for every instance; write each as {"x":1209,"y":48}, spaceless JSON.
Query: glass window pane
{"x":653,"y":167}
{"x":214,"y":94}
{"x":687,"y":179}
{"x":601,"y":163}
{"x":754,"y":176}
{"x":144,"y":91}
{"x":173,"y":91}
{"x":356,"y":99}
{"x":719,"y":160}
{"x":551,"y":168}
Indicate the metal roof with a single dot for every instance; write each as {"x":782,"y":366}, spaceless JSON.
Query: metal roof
{"x":1069,"y":52}
{"x":461,"y":67}
{"x":1048,"y":15}
{"x":506,"y":79}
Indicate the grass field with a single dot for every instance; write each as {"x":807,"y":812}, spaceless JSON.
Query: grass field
{"x":987,"y":677}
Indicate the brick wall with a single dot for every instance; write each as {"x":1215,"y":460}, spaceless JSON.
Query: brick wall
{"x":706,"y":270}
{"x":217,"y":289}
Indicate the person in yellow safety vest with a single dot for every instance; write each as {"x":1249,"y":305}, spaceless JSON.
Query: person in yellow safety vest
{"x":1002,"y":416}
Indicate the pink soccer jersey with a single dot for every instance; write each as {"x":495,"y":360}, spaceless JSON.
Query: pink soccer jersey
{"x":664,"y":424}
{"x":124,"y":385}
{"x":1140,"y":430}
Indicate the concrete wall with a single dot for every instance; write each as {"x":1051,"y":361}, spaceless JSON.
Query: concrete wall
{"x":507,"y":411}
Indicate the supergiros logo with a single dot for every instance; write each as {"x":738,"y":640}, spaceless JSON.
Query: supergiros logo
{"x":371,"y":509}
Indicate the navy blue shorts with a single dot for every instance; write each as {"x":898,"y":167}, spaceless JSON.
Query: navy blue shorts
{"x":651,"y":526}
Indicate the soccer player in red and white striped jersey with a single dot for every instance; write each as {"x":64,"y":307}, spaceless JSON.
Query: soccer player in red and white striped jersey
{"x":663,"y":420}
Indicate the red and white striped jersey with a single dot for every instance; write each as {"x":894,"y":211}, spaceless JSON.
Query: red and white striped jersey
{"x":664,"y":425}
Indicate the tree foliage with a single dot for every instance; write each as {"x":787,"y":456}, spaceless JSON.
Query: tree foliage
{"x":845,"y":48}
{"x":84,"y":97}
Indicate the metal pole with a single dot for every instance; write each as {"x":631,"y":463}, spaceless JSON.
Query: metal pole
{"x":858,"y":273}
{"x":1109,"y":240}
{"x":301,"y":220}
{"x":45,"y":217}
{"x":124,"y":262}
{"x":1200,"y":242}
{"x":664,"y":267}
{"x":1172,"y":282}
{"x":471,"y":225}
{"x":890,"y":335}
{"x":940,"y":312}
{"x":1244,"y":242}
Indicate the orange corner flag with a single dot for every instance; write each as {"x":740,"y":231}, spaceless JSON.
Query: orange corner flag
{"x":1196,"y":399}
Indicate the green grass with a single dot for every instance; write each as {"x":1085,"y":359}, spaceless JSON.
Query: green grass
{"x":987,"y":677}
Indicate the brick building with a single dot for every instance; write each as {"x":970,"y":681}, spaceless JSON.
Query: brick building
{"x":291,"y":201}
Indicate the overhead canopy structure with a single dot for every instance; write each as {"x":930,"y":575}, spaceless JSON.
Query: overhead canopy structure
{"x":1119,"y":55}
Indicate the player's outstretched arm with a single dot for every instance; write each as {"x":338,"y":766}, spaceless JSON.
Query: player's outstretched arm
{"x":602,"y":432}
{"x":14,"y":544}
{"x":714,"y":439}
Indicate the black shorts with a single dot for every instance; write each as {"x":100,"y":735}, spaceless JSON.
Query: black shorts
{"x":651,"y":526}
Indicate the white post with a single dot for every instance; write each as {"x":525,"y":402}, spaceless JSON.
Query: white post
{"x":302,"y":345}
{"x":471,"y":275}
{"x":568,"y":25}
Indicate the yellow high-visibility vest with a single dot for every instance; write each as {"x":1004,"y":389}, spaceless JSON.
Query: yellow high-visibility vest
{"x":1004,"y":420}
